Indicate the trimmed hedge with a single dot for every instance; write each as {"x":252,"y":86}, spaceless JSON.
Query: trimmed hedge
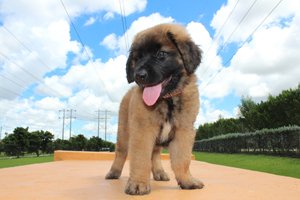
{"x":280,"y":141}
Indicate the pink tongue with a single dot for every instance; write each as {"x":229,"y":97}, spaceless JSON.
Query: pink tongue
{"x":151,"y":94}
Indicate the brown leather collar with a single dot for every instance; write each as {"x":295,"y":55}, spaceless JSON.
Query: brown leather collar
{"x":173,"y":93}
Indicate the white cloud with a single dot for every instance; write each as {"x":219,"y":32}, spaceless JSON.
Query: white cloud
{"x":110,"y":41}
{"x":27,"y":113}
{"x":84,"y":54}
{"x":258,"y":12}
{"x":266,"y":64}
{"x":208,"y":113}
{"x":210,"y":61}
{"x":105,"y":80}
{"x":90,"y":126}
{"x":108,"y":15}
{"x":119,"y":43}
{"x":59,"y":89}
{"x":44,"y":31}
{"x":90,"y":21}
{"x":49,"y":103}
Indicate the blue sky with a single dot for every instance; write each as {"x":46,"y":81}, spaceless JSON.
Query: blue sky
{"x":181,"y":12}
{"x":44,"y":67}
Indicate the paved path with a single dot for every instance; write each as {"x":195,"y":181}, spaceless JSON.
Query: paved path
{"x":85,"y":180}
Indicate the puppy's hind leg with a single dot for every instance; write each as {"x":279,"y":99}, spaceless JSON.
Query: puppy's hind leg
{"x":158,"y":172}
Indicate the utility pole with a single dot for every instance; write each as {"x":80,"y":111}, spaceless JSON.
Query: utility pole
{"x":71,"y":116}
{"x":0,"y":132}
{"x":105,"y":124}
{"x":98,"y":120}
{"x":106,"y":117}
{"x":98,"y":123}
{"x":63,"y":124}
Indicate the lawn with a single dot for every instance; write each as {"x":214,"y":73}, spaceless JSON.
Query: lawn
{"x":24,"y":161}
{"x":275,"y":165}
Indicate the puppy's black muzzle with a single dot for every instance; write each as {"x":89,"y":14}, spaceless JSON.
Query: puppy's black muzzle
{"x":141,"y":76}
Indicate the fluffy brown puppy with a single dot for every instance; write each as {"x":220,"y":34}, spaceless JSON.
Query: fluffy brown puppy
{"x":160,"y":110}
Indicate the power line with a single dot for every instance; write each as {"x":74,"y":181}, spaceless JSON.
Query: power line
{"x":231,"y":34}
{"x":30,"y":74}
{"x":40,"y":60}
{"x":16,"y":83}
{"x":218,"y":35}
{"x":9,"y":91}
{"x":216,"y":38}
{"x":22,"y":68}
{"x":84,"y":48}
{"x":124,"y":23}
{"x":244,"y":42}
{"x":75,"y":29}
{"x":240,"y":22}
{"x":30,"y":51}
{"x":25,"y":47}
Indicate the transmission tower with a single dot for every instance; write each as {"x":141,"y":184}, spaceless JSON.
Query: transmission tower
{"x":70,"y":117}
{"x":63,"y":122}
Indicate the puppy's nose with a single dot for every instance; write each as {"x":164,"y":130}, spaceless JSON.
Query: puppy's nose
{"x":141,"y":75}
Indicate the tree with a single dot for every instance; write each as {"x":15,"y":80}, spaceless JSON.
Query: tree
{"x":78,"y":142}
{"x":21,"y":140}
{"x":248,"y":112}
{"x":1,"y":147}
{"x":10,"y":145}
{"x":222,"y":126}
{"x":108,"y":146}
{"x":277,"y":111}
{"x":34,"y":143}
{"x":94,"y":144}
{"x":284,"y":109}
{"x":60,"y":144}
{"x":46,"y":141}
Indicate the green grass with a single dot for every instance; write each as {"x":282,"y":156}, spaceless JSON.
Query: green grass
{"x":275,"y":165}
{"x":24,"y":161}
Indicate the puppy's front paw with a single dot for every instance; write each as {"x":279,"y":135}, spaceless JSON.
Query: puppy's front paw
{"x":137,"y":188}
{"x":113,"y":174}
{"x":190,"y":184}
{"x":160,"y":176}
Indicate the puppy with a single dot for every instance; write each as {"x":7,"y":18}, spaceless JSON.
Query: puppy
{"x":160,"y":110}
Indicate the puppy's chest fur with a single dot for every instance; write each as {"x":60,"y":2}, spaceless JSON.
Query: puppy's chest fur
{"x":168,"y":111}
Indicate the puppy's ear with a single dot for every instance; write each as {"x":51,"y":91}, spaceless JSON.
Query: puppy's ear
{"x":129,"y":69}
{"x":189,"y":51}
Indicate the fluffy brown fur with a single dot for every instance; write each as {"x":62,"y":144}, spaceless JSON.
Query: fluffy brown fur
{"x":142,"y":129}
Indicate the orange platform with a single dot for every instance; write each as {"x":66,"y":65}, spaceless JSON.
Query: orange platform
{"x":88,"y":155}
{"x":84,"y":179}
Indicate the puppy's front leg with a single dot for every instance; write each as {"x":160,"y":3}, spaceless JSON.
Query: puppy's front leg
{"x":141,"y":143}
{"x":180,"y":152}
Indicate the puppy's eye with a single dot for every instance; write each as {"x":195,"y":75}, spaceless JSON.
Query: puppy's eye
{"x":161,"y":54}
